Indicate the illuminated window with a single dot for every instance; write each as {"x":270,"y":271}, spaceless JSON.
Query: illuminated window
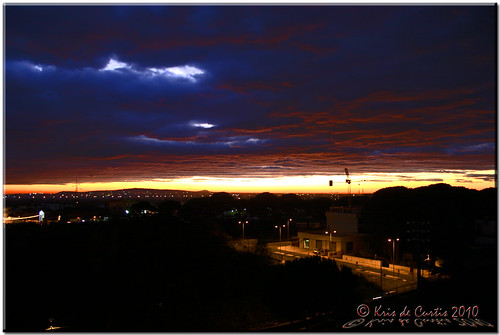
{"x":306,"y":243}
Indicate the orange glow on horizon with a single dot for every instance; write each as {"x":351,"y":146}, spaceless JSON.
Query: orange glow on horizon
{"x":367,"y":183}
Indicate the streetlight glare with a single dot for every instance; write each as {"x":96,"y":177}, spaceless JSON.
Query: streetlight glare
{"x":393,"y":251}
{"x":243,"y":229}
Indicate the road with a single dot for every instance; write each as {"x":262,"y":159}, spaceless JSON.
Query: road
{"x":390,"y":281}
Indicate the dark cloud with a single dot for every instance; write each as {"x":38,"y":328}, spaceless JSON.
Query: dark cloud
{"x":486,"y":177}
{"x":287,"y":90}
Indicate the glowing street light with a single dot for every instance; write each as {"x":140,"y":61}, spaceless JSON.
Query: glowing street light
{"x":243,"y":227}
{"x":279,"y":227}
{"x":41,"y":216}
{"x":335,"y":232}
{"x":393,"y":251}
{"x":288,"y":229}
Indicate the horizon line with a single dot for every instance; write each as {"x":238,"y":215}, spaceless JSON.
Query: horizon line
{"x":232,"y":192}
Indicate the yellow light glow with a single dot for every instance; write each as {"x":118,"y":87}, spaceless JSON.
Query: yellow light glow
{"x":363,"y":183}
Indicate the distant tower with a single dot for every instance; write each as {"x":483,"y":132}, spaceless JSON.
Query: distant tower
{"x":348,"y":181}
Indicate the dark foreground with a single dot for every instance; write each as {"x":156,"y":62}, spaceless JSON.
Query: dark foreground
{"x":151,"y":275}
{"x":156,"y":275}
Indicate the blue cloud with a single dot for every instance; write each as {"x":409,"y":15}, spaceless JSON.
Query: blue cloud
{"x":268,"y":81}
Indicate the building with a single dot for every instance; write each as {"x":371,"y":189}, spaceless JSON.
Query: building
{"x":341,"y":236}
{"x":343,"y":220}
{"x":333,"y":245}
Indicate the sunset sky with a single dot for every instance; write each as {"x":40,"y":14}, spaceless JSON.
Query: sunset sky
{"x":249,"y":98}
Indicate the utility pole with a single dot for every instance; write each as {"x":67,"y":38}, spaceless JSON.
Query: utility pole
{"x":419,"y":275}
{"x":381,"y":274}
{"x":393,"y":252}
{"x":421,"y":239}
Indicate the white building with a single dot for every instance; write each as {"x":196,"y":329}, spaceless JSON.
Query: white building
{"x":334,"y":245}
{"x":341,"y":236}
{"x":343,"y":220}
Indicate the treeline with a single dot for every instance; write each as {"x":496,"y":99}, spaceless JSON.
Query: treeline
{"x":440,"y":220}
{"x":145,"y":275}
{"x":173,"y":271}
{"x":222,"y":212}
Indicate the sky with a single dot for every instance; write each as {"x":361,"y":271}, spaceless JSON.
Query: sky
{"x":249,"y":98}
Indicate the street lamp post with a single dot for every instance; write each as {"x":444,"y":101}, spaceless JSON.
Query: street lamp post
{"x":335,"y":232}
{"x":279,"y":227}
{"x":428,"y":260}
{"x":393,"y":251}
{"x":288,"y":229}
{"x":243,"y":227}
{"x":329,"y":233}
{"x":330,"y":236}
{"x":243,"y":231}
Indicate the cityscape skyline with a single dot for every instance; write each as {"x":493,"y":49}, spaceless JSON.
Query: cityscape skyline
{"x":249,"y":98}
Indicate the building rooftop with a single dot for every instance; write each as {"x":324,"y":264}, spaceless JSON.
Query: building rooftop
{"x":322,"y":233}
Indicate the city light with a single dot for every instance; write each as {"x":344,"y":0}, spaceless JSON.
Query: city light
{"x":285,"y":184}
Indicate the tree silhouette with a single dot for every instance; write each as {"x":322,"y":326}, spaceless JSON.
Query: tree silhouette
{"x":169,"y":207}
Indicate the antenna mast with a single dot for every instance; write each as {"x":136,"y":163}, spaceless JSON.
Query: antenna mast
{"x":348,"y":181}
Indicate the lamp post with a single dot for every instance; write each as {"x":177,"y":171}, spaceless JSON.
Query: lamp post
{"x":243,"y":227}
{"x":393,"y":251}
{"x":428,"y":260}
{"x":330,"y":246}
{"x":288,"y":229}
{"x":326,"y":232}
{"x":279,"y":227}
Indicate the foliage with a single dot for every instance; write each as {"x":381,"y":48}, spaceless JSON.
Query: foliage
{"x":147,"y":275}
{"x":446,"y":217}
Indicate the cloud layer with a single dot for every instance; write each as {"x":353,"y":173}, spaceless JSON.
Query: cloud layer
{"x":113,"y":93}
